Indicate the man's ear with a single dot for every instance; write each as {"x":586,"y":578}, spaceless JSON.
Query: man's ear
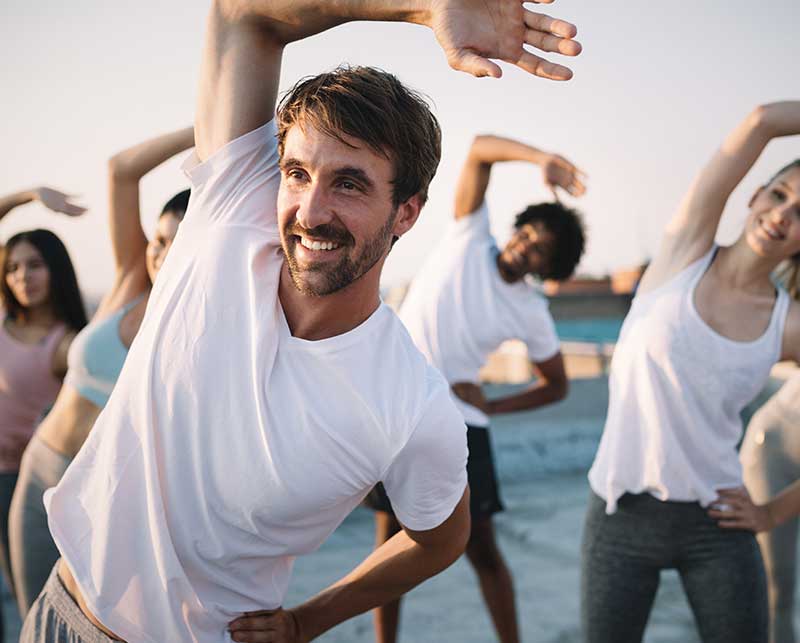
{"x":756,"y":194}
{"x":407,"y":215}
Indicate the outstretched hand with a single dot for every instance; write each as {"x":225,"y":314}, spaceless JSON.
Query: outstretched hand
{"x":268,"y":626}
{"x":560,"y":173}
{"x":58,"y":201}
{"x":472,"y":32}
{"x":735,"y":510}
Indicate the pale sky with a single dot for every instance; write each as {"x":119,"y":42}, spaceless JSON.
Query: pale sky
{"x":657,"y":88}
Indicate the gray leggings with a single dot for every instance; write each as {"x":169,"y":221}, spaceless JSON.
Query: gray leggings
{"x":623,"y":555}
{"x":771,"y":460}
{"x":33,"y":552}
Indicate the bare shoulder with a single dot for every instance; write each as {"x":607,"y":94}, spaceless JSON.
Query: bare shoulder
{"x":791,"y":333}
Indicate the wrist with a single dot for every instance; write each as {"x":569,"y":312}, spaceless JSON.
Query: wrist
{"x":303,"y":623}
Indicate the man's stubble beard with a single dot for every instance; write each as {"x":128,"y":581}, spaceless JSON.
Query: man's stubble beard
{"x":346,"y":271}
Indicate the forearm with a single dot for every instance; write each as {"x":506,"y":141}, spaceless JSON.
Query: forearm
{"x":8,"y":203}
{"x":495,"y":149}
{"x":784,"y":506}
{"x":390,"y":571}
{"x":291,"y":20}
{"x":540,"y":394}
{"x":135,"y":162}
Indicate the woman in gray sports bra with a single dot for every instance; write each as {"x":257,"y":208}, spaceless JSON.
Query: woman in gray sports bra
{"x":95,"y":357}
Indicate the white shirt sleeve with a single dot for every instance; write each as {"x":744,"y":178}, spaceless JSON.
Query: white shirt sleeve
{"x":473,"y":225}
{"x":238,"y":184}
{"x":541,"y":339}
{"x":427,"y":478}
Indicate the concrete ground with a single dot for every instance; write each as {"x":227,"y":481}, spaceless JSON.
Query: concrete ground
{"x":539,"y":534}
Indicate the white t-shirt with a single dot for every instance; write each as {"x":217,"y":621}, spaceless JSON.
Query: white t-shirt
{"x":676,"y":392}
{"x":459,"y":310}
{"x":229,"y":447}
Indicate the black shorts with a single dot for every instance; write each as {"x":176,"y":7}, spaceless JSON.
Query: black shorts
{"x":484,"y":493}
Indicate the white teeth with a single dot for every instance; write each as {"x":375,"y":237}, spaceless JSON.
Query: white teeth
{"x":318,"y":245}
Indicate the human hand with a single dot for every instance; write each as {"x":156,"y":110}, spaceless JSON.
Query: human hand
{"x":560,"y":173}
{"x":472,"y":394}
{"x":734,"y":509}
{"x":58,"y":201}
{"x":267,"y":626}
{"x":471,"y":32}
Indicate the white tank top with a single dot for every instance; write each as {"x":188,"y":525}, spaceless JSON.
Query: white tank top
{"x":676,"y":390}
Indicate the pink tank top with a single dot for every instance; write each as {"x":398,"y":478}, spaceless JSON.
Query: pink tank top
{"x":27,"y":388}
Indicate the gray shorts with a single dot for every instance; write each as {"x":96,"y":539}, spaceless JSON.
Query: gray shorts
{"x":56,"y":618}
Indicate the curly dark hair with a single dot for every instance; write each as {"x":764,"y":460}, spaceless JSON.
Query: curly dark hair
{"x":566,"y":225}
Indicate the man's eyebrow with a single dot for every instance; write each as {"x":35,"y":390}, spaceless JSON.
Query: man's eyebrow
{"x":290,"y":163}
{"x":787,"y":186}
{"x":356,"y":174}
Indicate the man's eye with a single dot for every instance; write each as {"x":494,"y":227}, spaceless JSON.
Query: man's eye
{"x":777,"y":195}
{"x":348,"y":185}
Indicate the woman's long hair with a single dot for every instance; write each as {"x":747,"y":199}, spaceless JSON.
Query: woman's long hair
{"x":65,"y":295}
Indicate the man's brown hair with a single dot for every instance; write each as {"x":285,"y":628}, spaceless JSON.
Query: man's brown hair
{"x":375,"y":107}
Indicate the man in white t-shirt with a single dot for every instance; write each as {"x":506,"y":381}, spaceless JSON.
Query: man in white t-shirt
{"x":466,"y":300}
{"x":268,"y":388}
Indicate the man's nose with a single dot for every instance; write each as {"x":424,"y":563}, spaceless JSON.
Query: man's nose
{"x":314,"y":209}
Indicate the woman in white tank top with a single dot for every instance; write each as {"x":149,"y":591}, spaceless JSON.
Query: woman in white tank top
{"x":703,"y":332}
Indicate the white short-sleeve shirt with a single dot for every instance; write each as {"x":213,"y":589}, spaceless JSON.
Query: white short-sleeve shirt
{"x":228,"y":446}
{"x":459,"y":310}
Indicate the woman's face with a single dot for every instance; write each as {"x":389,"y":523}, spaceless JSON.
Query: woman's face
{"x":160,"y":244}
{"x":27,"y":275}
{"x":773,"y":226}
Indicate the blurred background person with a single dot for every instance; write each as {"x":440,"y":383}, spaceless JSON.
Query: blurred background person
{"x":96,"y":356}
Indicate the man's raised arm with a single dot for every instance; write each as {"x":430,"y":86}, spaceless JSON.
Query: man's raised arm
{"x":245,"y":41}
{"x":488,"y":150}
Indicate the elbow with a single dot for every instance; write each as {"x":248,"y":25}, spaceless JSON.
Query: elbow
{"x":119,"y":168}
{"x":758,"y":120}
{"x":562,"y":389}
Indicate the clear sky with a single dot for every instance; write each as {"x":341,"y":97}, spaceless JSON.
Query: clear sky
{"x":657,"y":88}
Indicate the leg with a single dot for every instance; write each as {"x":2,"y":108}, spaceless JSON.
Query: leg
{"x":619,"y":574}
{"x":723,"y":576}
{"x":386,"y":617}
{"x":495,"y":579}
{"x":770,"y":457}
{"x":33,"y":552}
{"x":7,"y":483}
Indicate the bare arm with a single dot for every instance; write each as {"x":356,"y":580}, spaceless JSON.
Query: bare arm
{"x":48,"y":197}
{"x":691,"y":232}
{"x":488,"y":150}
{"x":791,"y":334}
{"x":740,"y":512}
{"x":125,"y":170}
{"x":393,"y":569}
{"x":245,"y":41}
{"x":551,"y":386}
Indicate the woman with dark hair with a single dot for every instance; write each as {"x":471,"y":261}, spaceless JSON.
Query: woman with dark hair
{"x":704,"y":330}
{"x":96,"y":356}
{"x":41,"y":310}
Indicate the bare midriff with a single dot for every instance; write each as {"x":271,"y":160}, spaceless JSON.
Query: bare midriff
{"x":71,"y":586}
{"x":67,"y":425}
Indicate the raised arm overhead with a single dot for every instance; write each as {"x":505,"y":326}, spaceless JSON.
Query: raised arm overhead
{"x":488,"y":150}
{"x":245,"y":41}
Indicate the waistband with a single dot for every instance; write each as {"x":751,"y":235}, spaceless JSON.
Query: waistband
{"x":68,"y":610}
